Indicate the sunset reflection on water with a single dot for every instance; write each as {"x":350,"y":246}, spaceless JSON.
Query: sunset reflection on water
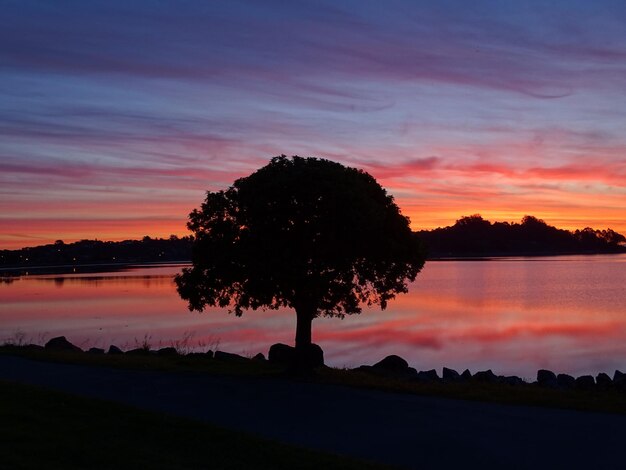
{"x":514,"y":316}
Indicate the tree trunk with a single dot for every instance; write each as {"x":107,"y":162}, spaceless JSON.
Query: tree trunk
{"x":304,"y":319}
{"x":307,"y":356}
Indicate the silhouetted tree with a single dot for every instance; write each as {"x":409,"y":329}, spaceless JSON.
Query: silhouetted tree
{"x":610,"y":236}
{"x":475,"y":236}
{"x":474,"y":221}
{"x":304,"y":233}
{"x":99,"y":252}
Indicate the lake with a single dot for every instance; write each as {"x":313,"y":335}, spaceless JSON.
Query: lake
{"x":511,"y":315}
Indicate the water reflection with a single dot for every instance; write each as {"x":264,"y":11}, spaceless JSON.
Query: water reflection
{"x":513,"y":316}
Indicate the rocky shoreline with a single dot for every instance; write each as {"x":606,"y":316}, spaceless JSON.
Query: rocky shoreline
{"x":393,"y":367}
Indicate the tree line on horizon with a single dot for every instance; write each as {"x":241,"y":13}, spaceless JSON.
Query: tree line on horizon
{"x":59,"y":253}
{"x":469,"y":236}
{"x":475,"y":236}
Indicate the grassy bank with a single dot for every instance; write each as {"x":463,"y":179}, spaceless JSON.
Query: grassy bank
{"x":44,"y":429}
{"x":611,"y":400}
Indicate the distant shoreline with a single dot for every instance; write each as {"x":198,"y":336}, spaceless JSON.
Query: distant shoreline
{"x":505,"y":256}
{"x":85,"y":268}
{"x":470,"y":238}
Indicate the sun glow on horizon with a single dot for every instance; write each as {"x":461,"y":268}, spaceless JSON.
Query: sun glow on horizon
{"x":494,"y":109}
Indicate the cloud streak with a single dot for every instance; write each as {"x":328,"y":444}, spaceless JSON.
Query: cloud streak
{"x":501,"y":108}
{"x":489,"y":47}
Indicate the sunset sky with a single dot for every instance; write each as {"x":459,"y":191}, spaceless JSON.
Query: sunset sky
{"x":117,"y":116}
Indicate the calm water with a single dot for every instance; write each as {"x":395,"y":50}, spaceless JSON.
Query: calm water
{"x":513,"y":315}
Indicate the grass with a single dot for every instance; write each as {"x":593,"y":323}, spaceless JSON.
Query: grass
{"x":44,"y":429}
{"x":611,"y":401}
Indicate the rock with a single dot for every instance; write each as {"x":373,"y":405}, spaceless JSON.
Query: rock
{"x":200,"y":355}
{"x":197,"y":355}
{"x":60,"y":343}
{"x":392,"y":363}
{"x":312,"y":356}
{"x":466,"y":375}
{"x":282,"y":354}
{"x":260,"y":357}
{"x":428,"y":376}
{"x":486,"y":376}
{"x":512,"y":380}
{"x":546,"y":378}
{"x":114,"y":350}
{"x":565,"y":381}
{"x":394,"y":367}
{"x":96,"y":351}
{"x":168,"y":351}
{"x":299,"y":360}
{"x":450,"y":375}
{"x":603,"y":381}
{"x":138,"y":352}
{"x":225,"y":356}
{"x":619,"y":380}
{"x":585,"y":382}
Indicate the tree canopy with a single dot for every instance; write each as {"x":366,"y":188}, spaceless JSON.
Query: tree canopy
{"x":475,"y":236}
{"x":304,"y":233}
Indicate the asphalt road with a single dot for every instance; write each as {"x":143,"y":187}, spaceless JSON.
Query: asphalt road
{"x":404,"y":430}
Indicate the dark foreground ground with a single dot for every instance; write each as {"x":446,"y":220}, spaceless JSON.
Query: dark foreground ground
{"x":45,"y":429}
{"x":399,"y":429}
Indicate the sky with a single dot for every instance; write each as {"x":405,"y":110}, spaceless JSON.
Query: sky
{"x":117,"y":116}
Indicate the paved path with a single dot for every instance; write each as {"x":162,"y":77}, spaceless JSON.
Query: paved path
{"x":405,"y":430}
